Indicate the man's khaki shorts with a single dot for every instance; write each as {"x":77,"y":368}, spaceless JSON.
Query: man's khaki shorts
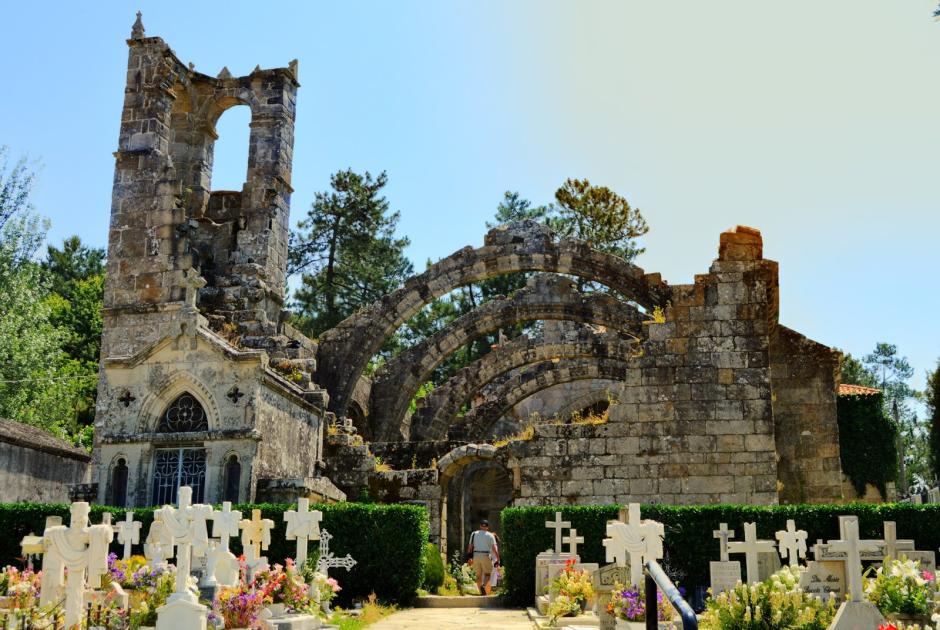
{"x":482,"y":565}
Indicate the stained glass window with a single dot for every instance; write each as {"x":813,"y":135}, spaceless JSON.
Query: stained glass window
{"x":184,"y":415}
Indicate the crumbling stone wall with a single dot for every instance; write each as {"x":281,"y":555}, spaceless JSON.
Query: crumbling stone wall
{"x":37,"y":467}
{"x":805,"y":382}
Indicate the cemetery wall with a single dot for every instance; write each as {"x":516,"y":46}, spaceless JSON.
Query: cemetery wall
{"x":37,"y":467}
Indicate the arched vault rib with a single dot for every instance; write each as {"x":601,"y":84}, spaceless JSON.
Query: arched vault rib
{"x":546,"y":297}
{"x":503,"y":396}
{"x":438,"y":408}
{"x":345,"y":351}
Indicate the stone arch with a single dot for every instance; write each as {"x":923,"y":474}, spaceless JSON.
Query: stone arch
{"x":172,"y":388}
{"x":546,"y":297}
{"x":500,"y":397}
{"x":457,"y":460}
{"x":345,"y":351}
{"x":434,"y":411}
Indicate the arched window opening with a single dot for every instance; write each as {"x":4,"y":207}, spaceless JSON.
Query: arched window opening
{"x":230,"y":151}
{"x":233,"y":476}
{"x":119,"y":484}
{"x":184,"y":415}
{"x":175,"y":467}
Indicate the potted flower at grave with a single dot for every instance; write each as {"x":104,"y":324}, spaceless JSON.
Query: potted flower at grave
{"x":152,"y":587}
{"x":324,"y":589}
{"x":283,"y":589}
{"x":19,"y":588}
{"x":628,"y":604}
{"x":575,"y":584}
{"x":902,"y":592}
{"x":238,"y":606}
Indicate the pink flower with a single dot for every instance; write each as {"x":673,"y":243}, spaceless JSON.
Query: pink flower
{"x":928,"y":576}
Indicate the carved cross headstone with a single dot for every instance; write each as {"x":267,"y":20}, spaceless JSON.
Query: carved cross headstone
{"x":158,"y":546}
{"x":327,"y":560}
{"x":302,"y":525}
{"x":81,"y":551}
{"x":223,"y":565}
{"x":635,"y":541}
{"x":750,"y":548}
{"x":225,"y":524}
{"x":128,"y":532}
{"x":724,"y":535}
{"x":852,"y":547}
{"x":573,"y":540}
{"x":558,"y":525}
{"x":256,"y":536}
{"x":185,"y":527}
{"x":792,"y":544}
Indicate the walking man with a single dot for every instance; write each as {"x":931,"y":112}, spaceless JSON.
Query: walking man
{"x":482,"y":545}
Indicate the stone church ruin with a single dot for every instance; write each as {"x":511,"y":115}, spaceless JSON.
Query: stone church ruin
{"x":204,"y":382}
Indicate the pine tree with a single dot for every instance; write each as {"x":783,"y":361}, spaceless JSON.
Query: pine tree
{"x":932,"y":398}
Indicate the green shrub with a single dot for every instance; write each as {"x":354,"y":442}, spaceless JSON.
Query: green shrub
{"x":689,"y":544}
{"x":434,"y":568}
{"x":387,"y":541}
{"x":867,"y":442}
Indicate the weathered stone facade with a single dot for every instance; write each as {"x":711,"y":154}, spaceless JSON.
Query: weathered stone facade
{"x":198,"y":368}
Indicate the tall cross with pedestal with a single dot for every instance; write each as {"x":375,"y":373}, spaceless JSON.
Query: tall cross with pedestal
{"x":256,"y":536}
{"x":128,"y":532}
{"x":792,"y":543}
{"x":723,"y":534}
{"x":573,"y":540}
{"x":185,"y":527}
{"x":853,"y":547}
{"x":192,"y":282}
{"x":558,"y":525}
{"x":750,"y":548}
{"x":637,"y":540}
{"x":302,"y":525}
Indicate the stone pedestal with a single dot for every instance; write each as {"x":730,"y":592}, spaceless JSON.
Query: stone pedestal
{"x":183,"y":613}
{"x":857,"y":616}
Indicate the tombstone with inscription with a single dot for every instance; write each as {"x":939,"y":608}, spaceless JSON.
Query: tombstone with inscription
{"x":856,"y":612}
{"x":605,"y":579}
{"x":725,"y":573}
{"x":552,"y":556}
{"x":823,"y":578}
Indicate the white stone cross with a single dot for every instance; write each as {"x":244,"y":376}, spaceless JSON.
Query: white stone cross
{"x":843,"y":520}
{"x":573,"y":540}
{"x":302,"y":525}
{"x":81,"y":550}
{"x":853,"y":547}
{"x":128,"y":532}
{"x":750,"y":548}
{"x":817,"y":550}
{"x":256,"y":535}
{"x":637,"y":540}
{"x":891,"y":539}
{"x":327,"y":560}
{"x":557,"y":525}
{"x":158,"y":548}
{"x":225,"y":524}
{"x":724,"y":535}
{"x":792,"y":544}
{"x":185,"y":527}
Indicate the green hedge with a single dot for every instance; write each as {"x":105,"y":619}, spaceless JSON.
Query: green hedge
{"x":387,"y":541}
{"x":689,"y":544}
{"x":864,"y":459}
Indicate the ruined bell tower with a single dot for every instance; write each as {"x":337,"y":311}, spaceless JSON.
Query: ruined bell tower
{"x":167,"y":219}
{"x":202,"y":382}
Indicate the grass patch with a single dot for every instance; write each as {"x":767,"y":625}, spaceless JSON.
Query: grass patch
{"x":372,"y":611}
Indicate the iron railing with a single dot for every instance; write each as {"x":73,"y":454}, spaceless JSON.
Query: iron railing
{"x":657,"y":580}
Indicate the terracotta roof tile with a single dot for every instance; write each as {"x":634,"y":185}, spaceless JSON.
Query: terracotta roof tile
{"x":846,"y":389}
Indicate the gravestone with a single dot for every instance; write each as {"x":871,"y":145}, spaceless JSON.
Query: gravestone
{"x":605,"y":579}
{"x":222,"y":563}
{"x":128,"y":532}
{"x":856,"y":612}
{"x":792,"y":543}
{"x":547,"y":558}
{"x":256,"y":536}
{"x":302,"y":526}
{"x":927,"y":560}
{"x":824,"y":579}
{"x":634,"y":542}
{"x":724,"y":574}
{"x":751,"y":547}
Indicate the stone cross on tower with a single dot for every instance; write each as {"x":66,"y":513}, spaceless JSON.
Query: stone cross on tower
{"x":256,"y":536}
{"x":185,"y":527}
{"x":302,"y":525}
{"x":637,"y":541}
{"x":853,"y":547}
{"x":750,"y":548}
{"x":724,"y":535}
{"x":81,"y":550}
{"x":573,"y":540}
{"x":792,"y":544}
{"x":327,"y":560}
{"x":128,"y":532}
{"x":558,"y":525}
{"x":192,"y":282}
{"x":225,"y":524}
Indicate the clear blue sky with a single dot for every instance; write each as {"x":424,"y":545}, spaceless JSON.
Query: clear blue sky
{"x":817,"y":122}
